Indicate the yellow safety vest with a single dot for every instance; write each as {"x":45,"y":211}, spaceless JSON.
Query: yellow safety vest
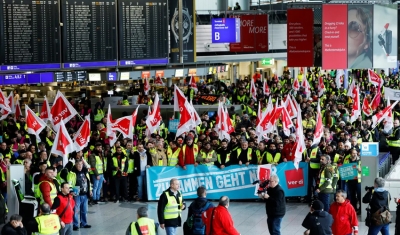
{"x":100,"y":166}
{"x":146,"y":226}
{"x":260,"y":156}
{"x":99,"y":116}
{"x":115,"y":162}
{"x":248,"y":153}
{"x":394,"y":143}
{"x":48,"y":224}
{"x":131,"y":165}
{"x":313,"y":154}
{"x":195,"y":151}
{"x":125,"y":102}
{"x":323,"y":179}
{"x":228,"y":157}
{"x":275,"y":159}
{"x":173,"y":157}
{"x":209,"y":155}
{"x":53,"y":191}
{"x":172,"y":209}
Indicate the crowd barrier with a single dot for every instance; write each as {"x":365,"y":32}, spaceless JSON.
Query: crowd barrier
{"x":236,"y":181}
{"x":385,"y":163}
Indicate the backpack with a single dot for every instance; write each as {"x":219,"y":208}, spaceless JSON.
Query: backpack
{"x":195,"y":223}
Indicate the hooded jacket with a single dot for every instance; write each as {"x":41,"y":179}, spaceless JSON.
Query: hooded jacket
{"x":318,"y":222}
{"x":344,"y":218}
{"x":377,"y":199}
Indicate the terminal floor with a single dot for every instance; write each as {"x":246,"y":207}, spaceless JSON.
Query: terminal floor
{"x":249,"y":218}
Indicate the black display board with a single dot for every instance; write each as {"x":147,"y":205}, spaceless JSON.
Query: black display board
{"x":29,"y":33}
{"x":143,"y":30}
{"x":70,"y":76}
{"x":89,"y":33}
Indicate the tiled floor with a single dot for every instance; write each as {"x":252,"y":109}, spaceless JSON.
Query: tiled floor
{"x":249,"y":218}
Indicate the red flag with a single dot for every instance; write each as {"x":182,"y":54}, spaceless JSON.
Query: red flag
{"x":300,"y":143}
{"x":5,"y":113}
{"x":192,"y":83}
{"x":45,"y":113}
{"x":356,"y":111}
{"x":375,"y":79}
{"x":18,"y":112}
{"x":379,"y":117}
{"x":63,"y":144}
{"x":376,"y":100}
{"x":154,"y":119}
{"x":296,"y":84}
{"x":319,"y":129}
{"x":253,"y":90}
{"x":286,"y":122}
{"x":82,"y":136}
{"x":266,"y":89}
{"x":124,"y":125}
{"x":61,"y":110}
{"x":183,"y":106}
{"x":134,"y":116}
{"x":307,"y":88}
{"x":4,"y":103}
{"x":34,"y":124}
{"x":196,"y":120}
{"x":228,"y":123}
{"x":321,"y":86}
{"x":146,"y":86}
{"x":366,"y":108}
{"x":159,"y":81}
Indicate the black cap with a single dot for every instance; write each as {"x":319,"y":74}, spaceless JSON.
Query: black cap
{"x":317,"y":205}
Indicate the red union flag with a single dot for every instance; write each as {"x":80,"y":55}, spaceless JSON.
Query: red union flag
{"x":18,"y":112}
{"x":182,"y":105}
{"x":61,"y":110}
{"x":63,"y":144}
{"x":124,"y":125}
{"x":294,"y":178}
{"x":154,"y":119}
{"x":44,"y":114}
{"x":375,"y":79}
{"x":34,"y":124}
{"x":82,"y":137}
{"x":4,"y":103}
{"x":296,"y":84}
{"x":366,"y":108}
{"x":146,"y":85}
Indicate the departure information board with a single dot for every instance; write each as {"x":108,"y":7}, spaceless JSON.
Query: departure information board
{"x":89,"y":33}
{"x":29,"y":34}
{"x":143,"y":32}
{"x":70,"y":76}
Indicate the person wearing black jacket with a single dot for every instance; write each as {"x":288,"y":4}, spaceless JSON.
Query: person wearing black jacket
{"x":223,"y":155}
{"x":378,"y":200}
{"x":199,"y":205}
{"x":171,"y":197}
{"x":142,"y":160}
{"x":275,"y":205}
{"x":119,"y":170}
{"x":14,"y":227}
{"x":318,"y":221}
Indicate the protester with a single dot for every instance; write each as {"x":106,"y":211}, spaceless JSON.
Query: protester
{"x":14,"y":227}
{"x":344,"y":215}
{"x":143,"y":223}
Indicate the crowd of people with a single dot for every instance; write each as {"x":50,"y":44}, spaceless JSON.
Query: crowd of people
{"x":118,"y":173}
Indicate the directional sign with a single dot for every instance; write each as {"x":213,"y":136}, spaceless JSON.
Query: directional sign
{"x":225,"y":30}
{"x":369,"y":149}
{"x":268,"y":61}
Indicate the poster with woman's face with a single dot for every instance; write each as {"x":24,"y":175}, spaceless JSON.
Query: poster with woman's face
{"x":359,"y":42}
{"x":385,"y":36}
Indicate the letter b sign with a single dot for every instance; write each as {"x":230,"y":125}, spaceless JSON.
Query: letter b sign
{"x":216,"y":36}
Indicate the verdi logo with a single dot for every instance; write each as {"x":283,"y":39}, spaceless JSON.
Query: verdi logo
{"x":294,"y":178}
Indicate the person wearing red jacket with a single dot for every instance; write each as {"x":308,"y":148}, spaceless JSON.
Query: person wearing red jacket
{"x":344,"y":216}
{"x":218,"y":220}
{"x":289,"y":149}
{"x":47,"y":186}
{"x":64,"y":205}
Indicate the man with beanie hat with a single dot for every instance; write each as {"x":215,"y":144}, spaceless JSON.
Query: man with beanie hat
{"x":318,"y":221}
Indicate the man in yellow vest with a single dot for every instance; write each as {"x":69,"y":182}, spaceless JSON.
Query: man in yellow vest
{"x":143,"y":223}
{"x":99,"y":166}
{"x":45,"y":223}
{"x":207,"y":155}
{"x":394,"y":141}
{"x":120,"y":174}
{"x":170,"y":207}
{"x":324,"y":181}
{"x":312,"y":156}
{"x":244,"y":155}
{"x":190,"y":152}
{"x":223,"y":155}
{"x":48,"y":190}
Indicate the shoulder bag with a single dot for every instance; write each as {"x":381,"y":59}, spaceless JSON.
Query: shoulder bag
{"x":382,"y":216}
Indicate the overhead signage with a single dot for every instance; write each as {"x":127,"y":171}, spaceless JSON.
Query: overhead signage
{"x":192,"y":72}
{"x":15,"y":79}
{"x":225,"y":30}
{"x":143,"y":62}
{"x":369,"y":149}
{"x":300,"y":37}
{"x":124,"y":76}
{"x":160,"y":73}
{"x":267,"y":61}
{"x":112,"y":76}
{"x":70,"y":76}
{"x":94,"y":77}
{"x":253,"y":34}
{"x":179,"y":73}
{"x":145,"y":74}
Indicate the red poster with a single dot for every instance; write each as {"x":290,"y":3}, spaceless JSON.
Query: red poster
{"x":300,"y":37}
{"x":334,"y":36}
{"x":294,"y":178}
{"x":253,"y":34}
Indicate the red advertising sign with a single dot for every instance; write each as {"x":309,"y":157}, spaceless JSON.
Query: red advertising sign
{"x":145,"y":74}
{"x":294,"y":178}
{"x":334,"y":36}
{"x":160,"y":73}
{"x":300,"y":37}
{"x":253,"y":34}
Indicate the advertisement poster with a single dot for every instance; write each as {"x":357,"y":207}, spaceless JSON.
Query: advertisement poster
{"x":189,"y":31}
{"x":300,"y":42}
{"x":253,"y":34}
{"x":334,"y":36}
{"x":385,"y":36}
{"x":359,"y":42}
